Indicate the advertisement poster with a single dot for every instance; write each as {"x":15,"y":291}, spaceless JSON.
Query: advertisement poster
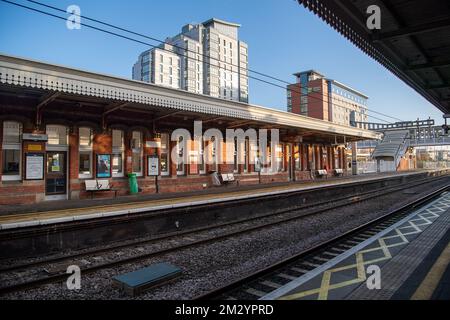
{"x":103,"y":166}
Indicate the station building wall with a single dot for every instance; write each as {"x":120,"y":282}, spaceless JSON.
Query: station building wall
{"x":128,"y":149}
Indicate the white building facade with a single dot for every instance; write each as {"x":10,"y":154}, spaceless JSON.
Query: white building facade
{"x":346,"y":104}
{"x":206,"y":58}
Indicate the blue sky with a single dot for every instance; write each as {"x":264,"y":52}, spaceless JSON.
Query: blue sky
{"x":283,"y":38}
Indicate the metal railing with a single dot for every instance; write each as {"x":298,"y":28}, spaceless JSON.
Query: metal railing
{"x":393,"y":126}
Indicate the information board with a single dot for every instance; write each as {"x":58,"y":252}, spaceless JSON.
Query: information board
{"x":34,"y":166}
{"x":153,"y":165}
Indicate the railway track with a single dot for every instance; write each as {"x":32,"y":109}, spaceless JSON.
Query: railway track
{"x":268,"y":279}
{"x":188,"y":239}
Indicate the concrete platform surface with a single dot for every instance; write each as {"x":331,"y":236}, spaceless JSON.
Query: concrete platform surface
{"x":413,"y":257}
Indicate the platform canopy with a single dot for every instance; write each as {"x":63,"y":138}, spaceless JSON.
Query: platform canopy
{"x":413,"y":42}
{"x":27,"y":86}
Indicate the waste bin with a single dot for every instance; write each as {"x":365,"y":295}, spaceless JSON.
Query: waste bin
{"x":132,"y":181}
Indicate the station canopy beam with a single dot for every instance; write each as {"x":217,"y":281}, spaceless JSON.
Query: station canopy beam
{"x":413,"y":41}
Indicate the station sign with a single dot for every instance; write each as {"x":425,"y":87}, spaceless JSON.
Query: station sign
{"x":153,"y":144}
{"x":34,"y":147}
{"x":34,"y":137}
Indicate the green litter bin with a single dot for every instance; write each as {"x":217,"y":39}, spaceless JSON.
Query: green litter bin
{"x":132,"y":181}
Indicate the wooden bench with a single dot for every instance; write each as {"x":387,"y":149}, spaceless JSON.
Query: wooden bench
{"x":339,"y":172}
{"x":98,"y":185}
{"x":140,"y":280}
{"x":227,"y":178}
{"x":322,"y":173}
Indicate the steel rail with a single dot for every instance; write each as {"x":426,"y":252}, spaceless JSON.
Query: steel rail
{"x":218,"y":292}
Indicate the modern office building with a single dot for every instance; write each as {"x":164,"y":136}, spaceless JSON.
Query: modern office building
{"x":159,"y":66}
{"x":206,"y":58}
{"x":315,"y":96}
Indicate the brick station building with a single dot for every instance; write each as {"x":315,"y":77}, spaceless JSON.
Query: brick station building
{"x":60,"y":127}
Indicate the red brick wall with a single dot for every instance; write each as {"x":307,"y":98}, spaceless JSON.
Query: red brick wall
{"x":295,"y":97}
{"x":33,"y":191}
{"x":317,"y":101}
{"x":317,"y":105}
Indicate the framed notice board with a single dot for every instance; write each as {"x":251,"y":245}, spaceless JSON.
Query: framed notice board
{"x":153,"y":166}
{"x":34,"y":166}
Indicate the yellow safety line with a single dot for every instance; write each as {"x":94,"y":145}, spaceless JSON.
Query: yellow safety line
{"x":433,"y":277}
{"x":325,"y":287}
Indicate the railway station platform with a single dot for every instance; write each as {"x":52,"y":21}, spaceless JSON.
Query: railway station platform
{"x":413,"y":257}
{"x":12,"y":217}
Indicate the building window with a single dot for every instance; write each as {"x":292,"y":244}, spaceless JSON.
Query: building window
{"x":12,"y":151}
{"x":297,"y":157}
{"x":214,"y":142}
{"x":165,"y":154}
{"x":180,"y":151}
{"x":280,"y":158}
{"x":246,"y":154}
{"x":117,"y":153}
{"x":266,"y":167}
{"x":161,"y":58}
{"x":57,"y":135}
{"x":235,"y":156}
{"x":201,"y":164}
{"x":336,"y":158}
{"x":136,"y":150}
{"x":85,"y":153}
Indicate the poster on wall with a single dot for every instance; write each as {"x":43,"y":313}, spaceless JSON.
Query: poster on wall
{"x":153,"y":165}
{"x":103,"y":166}
{"x":34,"y":166}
